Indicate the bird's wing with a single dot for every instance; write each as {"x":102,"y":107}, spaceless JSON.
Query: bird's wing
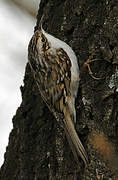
{"x":53,"y":76}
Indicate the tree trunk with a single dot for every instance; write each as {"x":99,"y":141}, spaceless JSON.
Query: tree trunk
{"x":38,"y":148}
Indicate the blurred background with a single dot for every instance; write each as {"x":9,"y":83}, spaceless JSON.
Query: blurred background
{"x":17,"y":21}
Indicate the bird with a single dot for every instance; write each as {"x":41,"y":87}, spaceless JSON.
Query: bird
{"x":56,"y":73}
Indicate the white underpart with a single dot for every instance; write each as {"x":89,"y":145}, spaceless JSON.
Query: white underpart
{"x":57,"y":43}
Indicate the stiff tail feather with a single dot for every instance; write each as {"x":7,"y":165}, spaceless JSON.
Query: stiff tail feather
{"x":73,"y":139}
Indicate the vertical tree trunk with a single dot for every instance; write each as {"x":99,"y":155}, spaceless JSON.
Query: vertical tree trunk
{"x":38,"y":149}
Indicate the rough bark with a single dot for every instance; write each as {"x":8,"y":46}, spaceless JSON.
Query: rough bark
{"x":38,"y":149}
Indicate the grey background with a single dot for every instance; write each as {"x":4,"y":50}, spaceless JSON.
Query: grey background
{"x":17,"y":22}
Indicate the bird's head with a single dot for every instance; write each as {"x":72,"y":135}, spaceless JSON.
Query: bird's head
{"x":42,"y":42}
